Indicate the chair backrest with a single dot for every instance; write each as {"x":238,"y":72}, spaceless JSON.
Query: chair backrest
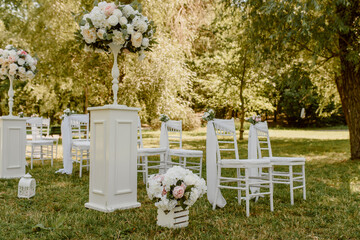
{"x":79,"y":124}
{"x":46,"y":126}
{"x":34,"y":128}
{"x":225,"y":137}
{"x":263,"y":139}
{"x":139,"y":134}
{"x":174,"y":131}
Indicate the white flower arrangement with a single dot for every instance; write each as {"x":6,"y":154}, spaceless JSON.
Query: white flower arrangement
{"x":254,"y":119}
{"x":120,"y":24}
{"x":209,"y":115}
{"x":16,"y":63}
{"x":164,"y":118}
{"x":178,"y":186}
{"x":67,"y":112}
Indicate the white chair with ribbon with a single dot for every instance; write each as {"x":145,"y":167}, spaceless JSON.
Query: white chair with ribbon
{"x":221,"y":138}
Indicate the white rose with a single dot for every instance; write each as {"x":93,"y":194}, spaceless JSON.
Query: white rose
{"x":29,"y":60}
{"x":140,"y":24}
{"x":33,"y":68}
{"x":1,"y":51}
{"x":123,"y":21}
{"x":102,"y":5}
{"x":130,"y":29}
{"x":136,"y":39}
{"x":21,"y":61}
{"x":2,"y":60}
{"x":113,"y":20}
{"x":145,"y":42}
{"x":3,"y":71}
{"x":22,"y":70}
{"x":128,"y":10}
{"x":12,"y":72}
{"x":30,"y":74}
{"x":13,"y":67}
{"x":89,"y":35}
{"x":100,"y":33}
{"x":117,"y":12}
{"x":118,"y":37}
{"x":8,"y":47}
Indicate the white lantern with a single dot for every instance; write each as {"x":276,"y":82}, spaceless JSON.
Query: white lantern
{"x":26,"y":187}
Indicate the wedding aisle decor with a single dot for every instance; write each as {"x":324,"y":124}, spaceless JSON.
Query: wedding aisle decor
{"x":116,"y":28}
{"x":16,"y":64}
{"x":254,"y":119}
{"x":209,"y":115}
{"x":174,"y":193}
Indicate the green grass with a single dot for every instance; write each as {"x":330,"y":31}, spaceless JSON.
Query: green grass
{"x":331,"y":210}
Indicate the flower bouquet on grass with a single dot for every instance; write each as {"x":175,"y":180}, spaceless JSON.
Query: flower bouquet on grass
{"x":174,"y":192}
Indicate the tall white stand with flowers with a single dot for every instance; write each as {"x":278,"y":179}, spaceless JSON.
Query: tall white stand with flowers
{"x":14,"y":64}
{"x":113,"y":144}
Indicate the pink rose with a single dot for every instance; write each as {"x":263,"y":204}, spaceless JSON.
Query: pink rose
{"x":178,"y":192}
{"x":11,"y":59}
{"x":23,"y":52}
{"x":159,"y":178}
{"x":164,"y":192}
{"x":109,"y":9}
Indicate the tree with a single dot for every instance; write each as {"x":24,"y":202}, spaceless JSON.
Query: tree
{"x":326,"y":31}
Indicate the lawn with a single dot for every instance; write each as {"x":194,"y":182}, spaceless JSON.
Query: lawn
{"x":331,"y":210}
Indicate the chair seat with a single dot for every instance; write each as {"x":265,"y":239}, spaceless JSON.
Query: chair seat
{"x":149,"y":151}
{"x":40,"y":142}
{"x":185,"y":153}
{"x":82,"y":144}
{"x":284,"y":160}
{"x":245,"y":162}
{"x":51,"y":138}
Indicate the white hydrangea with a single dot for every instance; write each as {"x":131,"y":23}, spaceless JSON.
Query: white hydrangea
{"x":98,"y":18}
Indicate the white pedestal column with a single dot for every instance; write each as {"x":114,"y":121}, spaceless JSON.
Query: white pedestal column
{"x":12,"y":147}
{"x":113,"y":158}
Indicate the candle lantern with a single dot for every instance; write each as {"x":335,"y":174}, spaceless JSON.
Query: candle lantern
{"x":26,"y":187}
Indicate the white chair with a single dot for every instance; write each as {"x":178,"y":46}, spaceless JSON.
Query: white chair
{"x":226,"y":142}
{"x":80,"y":143}
{"x":46,"y":132}
{"x":144,"y":164}
{"x":289,"y":177}
{"x":40,"y":149}
{"x":174,"y":133}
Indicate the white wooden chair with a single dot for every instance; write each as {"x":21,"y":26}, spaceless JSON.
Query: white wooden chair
{"x":174,"y":133}
{"x":80,"y":145}
{"x":46,"y":132}
{"x":289,"y":177}
{"x":226,"y":142}
{"x":144,"y":164}
{"x":40,"y":149}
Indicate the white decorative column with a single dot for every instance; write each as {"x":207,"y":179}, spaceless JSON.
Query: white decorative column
{"x":113,"y":158}
{"x":12,"y":147}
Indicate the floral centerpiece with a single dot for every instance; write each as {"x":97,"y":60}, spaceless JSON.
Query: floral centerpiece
{"x":119,"y":28}
{"x":67,"y":112}
{"x":209,"y":115}
{"x":164,"y":118}
{"x":178,"y":186}
{"x":16,"y":64}
{"x":254,"y":119}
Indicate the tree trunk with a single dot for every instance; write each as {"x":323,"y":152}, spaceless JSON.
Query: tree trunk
{"x":242,"y":109}
{"x":348,"y":85}
{"x":86,"y":105}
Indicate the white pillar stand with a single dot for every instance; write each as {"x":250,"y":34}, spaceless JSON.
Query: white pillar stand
{"x":113,"y":158}
{"x":12,"y":147}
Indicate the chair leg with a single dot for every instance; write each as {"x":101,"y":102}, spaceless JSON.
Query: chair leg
{"x":81,"y":161}
{"x":238,"y":174}
{"x":201,"y":167}
{"x":146,"y":173}
{"x":304,"y":182}
{"x":52,"y":155}
{"x":291,"y":178}
{"x":41,"y":154}
{"x":247,"y":190}
{"x":271,"y":188}
{"x":56,"y":152}
{"x":32,"y":155}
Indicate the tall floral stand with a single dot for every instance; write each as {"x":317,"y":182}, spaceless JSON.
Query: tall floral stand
{"x":113,"y":153}
{"x":12,"y":147}
{"x":12,"y":142}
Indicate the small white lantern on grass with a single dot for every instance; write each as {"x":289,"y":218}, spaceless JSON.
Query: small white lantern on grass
{"x":27,"y":186}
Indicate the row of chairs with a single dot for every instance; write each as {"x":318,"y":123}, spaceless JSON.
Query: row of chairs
{"x":172,"y":154}
{"x":270,"y":169}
